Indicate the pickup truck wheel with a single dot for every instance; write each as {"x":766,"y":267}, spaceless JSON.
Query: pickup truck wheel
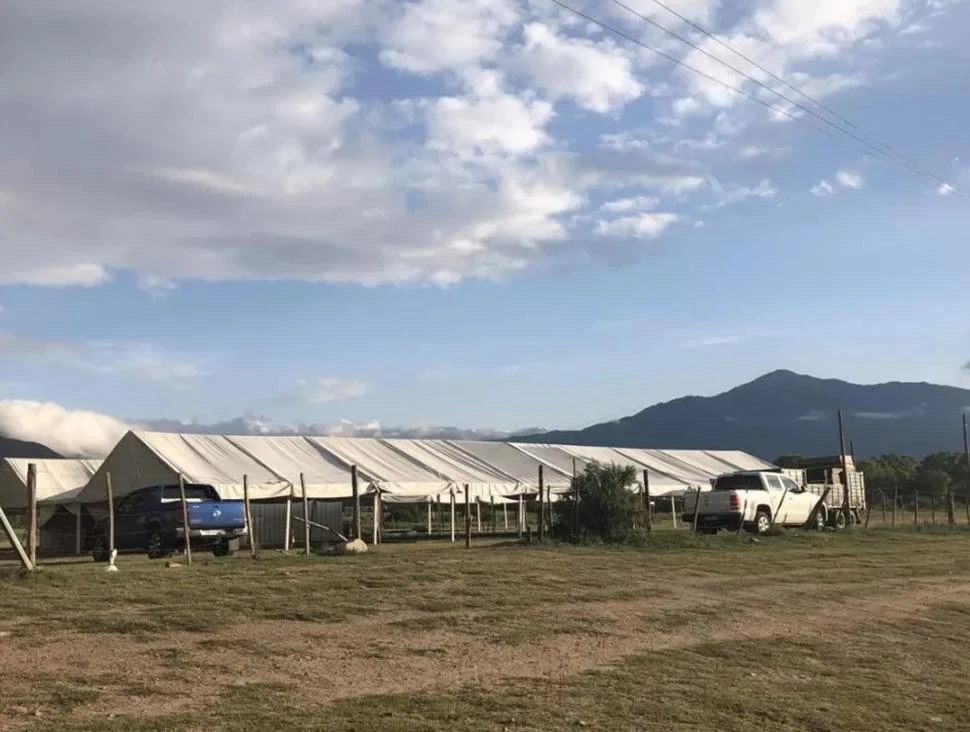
{"x":222,"y":549}
{"x":762,"y":521}
{"x":100,"y":551}
{"x":838,"y":521}
{"x":156,"y":545}
{"x":819,"y":524}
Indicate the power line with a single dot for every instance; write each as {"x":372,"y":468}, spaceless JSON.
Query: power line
{"x":911,"y":166}
{"x":870,"y":139}
{"x":735,"y":89}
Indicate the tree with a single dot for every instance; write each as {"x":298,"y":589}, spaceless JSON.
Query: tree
{"x":608,"y":509}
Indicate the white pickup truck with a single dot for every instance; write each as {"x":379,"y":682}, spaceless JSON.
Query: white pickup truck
{"x":753,"y":500}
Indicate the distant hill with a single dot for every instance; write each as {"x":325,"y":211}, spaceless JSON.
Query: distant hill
{"x":784,"y":412}
{"x":20,"y":449}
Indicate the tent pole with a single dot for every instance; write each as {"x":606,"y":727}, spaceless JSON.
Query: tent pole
{"x":673,"y":509}
{"x":521,"y":516}
{"x":375,"y":533}
{"x":505,"y":515}
{"x":429,"y":518}
{"x":478,"y":514}
{"x":32,"y":517}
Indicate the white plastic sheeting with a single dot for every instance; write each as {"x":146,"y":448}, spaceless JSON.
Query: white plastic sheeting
{"x":58,"y":481}
{"x":404,"y":471}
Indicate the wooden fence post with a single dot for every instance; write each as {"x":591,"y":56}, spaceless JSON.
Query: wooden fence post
{"x":358,"y":534}
{"x":916,"y":508}
{"x":250,"y":531}
{"x":647,"y":512}
{"x":846,"y":508}
{"x":895,"y":502}
{"x":932,"y":509}
{"x":505,"y":516}
{"x":32,"y":517}
{"x":288,"y":520}
{"x":185,"y":519}
{"x":109,"y":490}
{"x":15,"y":541}
{"x":521,"y":521}
{"x":697,"y":510}
{"x":468,"y":518}
{"x":884,"y":520}
{"x":951,"y":508}
{"x":478,"y":514}
{"x":429,"y":518}
{"x":452,"y":494}
{"x":306,"y":514}
{"x":376,"y":538}
{"x":673,"y":510}
{"x":542,"y":511}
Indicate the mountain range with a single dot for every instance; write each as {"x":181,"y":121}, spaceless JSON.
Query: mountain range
{"x":787,"y":413}
{"x":21,"y":449}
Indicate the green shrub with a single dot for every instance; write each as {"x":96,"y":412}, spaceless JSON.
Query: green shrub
{"x":607,"y":510}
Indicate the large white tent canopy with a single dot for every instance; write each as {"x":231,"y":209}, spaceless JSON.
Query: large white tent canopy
{"x":401,"y":470}
{"x":57,"y":481}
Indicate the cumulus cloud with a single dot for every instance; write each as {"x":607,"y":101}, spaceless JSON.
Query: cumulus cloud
{"x":637,"y":203}
{"x":823,"y":188}
{"x":71,"y":433}
{"x":945,"y":189}
{"x":639,"y":226}
{"x":845,"y":179}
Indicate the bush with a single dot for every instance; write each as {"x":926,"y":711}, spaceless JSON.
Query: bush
{"x":608,"y":511}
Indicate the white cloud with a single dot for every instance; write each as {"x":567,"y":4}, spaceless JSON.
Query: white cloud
{"x":945,"y":189}
{"x":849,"y":179}
{"x":597,"y":74}
{"x":712,"y":341}
{"x":637,"y":203}
{"x":326,"y":389}
{"x":823,"y":188}
{"x":728,"y":196}
{"x":67,"y":432}
{"x":640,"y":226}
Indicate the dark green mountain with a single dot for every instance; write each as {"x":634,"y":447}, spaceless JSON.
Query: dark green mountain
{"x":20,"y":449}
{"x":784,"y":412}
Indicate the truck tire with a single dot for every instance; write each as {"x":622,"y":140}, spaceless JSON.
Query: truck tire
{"x":222,"y":549}
{"x":762,"y":521}
{"x":99,"y":552}
{"x":838,"y":520}
{"x":820,"y":521}
{"x":156,"y":546}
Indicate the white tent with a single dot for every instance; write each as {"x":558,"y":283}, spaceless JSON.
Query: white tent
{"x":288,"y":457}
{"x":58,"y":481}
{"x":442,"y":457}
{"x":153,"y":458}
{"x":517,"y":465}
{"x":397,"y":477}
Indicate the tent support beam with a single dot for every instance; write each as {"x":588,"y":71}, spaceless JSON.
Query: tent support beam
{"x":15,"y":541}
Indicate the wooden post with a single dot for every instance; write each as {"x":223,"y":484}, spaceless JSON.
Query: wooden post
{"x":358,"y":534}
{"x":697,"y":510}
{"x":647,"y":508}
{"x":846,"y":509}
{"x":429,"y":518}
{"x":478,"y":514}
{"x":468,"y":518}
{"x":77,"y":529}
{"x":288,"y":534}
{"x":377,"y":517}
{"x":452,"y":493}
{"x":15,"y":541}
{"x":895,"y":501}
{"x":951,"y":508}
{"x":521,"y":521}
{"x":966,"y":449}
{"x":673,"y":510}
{"x":185,"y":518}
{"x":932,"y":509}
{"x":505,"y":515}
{"x":575,"y":487}
{"x":542,"y":508}
{"x":884,"y":521}
{"x":916,"y":508}
{"x":494,"y":516}
{"x":306,"y":512}
{"x":32,"y":516}
{"x":250,"y":530}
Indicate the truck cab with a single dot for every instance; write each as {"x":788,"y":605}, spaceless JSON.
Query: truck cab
{"x":755,"y":501}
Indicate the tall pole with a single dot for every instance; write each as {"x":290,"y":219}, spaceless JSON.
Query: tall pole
{"x":468,"y":518}
{"x":32,"y":518}
{"x":250,"y":532}
{"x":648,"y":518}
{"x":185,"y":519}
{"x":355,"y":488}
{"x":452,"y":494}
{"x":306,"y":515}
{"x":542,"y":507}
{"x":845,"y":473}
{"x":111,"y":513}
{"x":966,"y":449}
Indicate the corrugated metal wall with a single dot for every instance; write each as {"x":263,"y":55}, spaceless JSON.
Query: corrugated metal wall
{"x":269,"y":523}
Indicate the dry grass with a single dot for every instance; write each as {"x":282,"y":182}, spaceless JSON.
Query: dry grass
{"x":860,"y":631}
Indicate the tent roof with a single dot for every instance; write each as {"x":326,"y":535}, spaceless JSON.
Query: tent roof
{"x":57,"y":480}
{"x":444,"y":458}
{"x":517,"y":465}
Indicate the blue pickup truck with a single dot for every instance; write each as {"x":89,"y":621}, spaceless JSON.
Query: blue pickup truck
{"x":150,"y":520}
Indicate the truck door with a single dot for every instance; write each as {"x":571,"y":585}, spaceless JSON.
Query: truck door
{"x":130,"y":522}
{"x":800,"y":502}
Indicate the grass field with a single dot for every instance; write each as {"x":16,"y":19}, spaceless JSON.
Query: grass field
{"x":818,"y":631}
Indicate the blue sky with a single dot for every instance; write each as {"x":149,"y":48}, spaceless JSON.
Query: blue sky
{"x":481,"y":214}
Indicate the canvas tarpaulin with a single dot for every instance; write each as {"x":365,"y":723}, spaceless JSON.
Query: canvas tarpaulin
{"x":58,"y":482}
{"x":288,"y":457}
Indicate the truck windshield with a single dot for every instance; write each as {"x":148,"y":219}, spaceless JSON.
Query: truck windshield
{"x":738,"y":483}
{"x":193,"y":493}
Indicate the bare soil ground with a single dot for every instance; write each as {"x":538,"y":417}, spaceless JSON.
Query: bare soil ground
{"x":824,"y":631}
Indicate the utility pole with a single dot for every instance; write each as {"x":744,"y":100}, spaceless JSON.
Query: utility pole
{"x":845,"y":473}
